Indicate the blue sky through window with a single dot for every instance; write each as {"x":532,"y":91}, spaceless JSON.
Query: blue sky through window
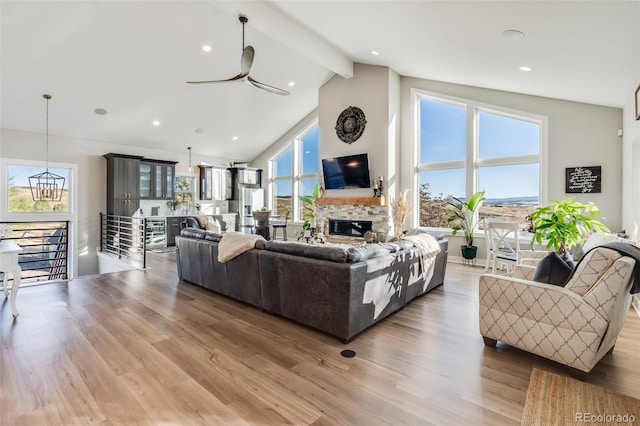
{"x":442,"y":132}
{"x":282,"y":165}
{"x":308,"y":164}
{"x":501,"y":136}
{"x":513,"y":181}
{"x":443,"y":138}
{"x":309,"y":152}
{"x":19,"y":174}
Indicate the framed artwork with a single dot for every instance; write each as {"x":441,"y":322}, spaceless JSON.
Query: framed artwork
{"x":583,"y":180}
{"x":637,"y":98}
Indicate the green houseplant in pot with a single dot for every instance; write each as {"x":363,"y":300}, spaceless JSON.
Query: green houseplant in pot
{"x":564,"y":224}
{"x":462,"y":214}
{"x":309,"y":214}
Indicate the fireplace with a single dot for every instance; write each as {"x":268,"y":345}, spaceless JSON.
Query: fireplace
{"x":350,"y":217}
{"x":349,"y":228}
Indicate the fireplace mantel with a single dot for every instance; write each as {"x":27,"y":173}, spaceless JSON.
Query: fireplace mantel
{"x":351,"y":201}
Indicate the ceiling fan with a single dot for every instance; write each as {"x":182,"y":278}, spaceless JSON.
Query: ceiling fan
{"x":245,"y":67}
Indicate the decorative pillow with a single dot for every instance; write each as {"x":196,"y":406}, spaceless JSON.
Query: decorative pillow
{"x":596,"y":240}
{"x":552,"y":270}
{"x":213,"y":227}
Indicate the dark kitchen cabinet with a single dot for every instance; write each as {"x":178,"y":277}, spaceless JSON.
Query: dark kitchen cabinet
{"x":157,"y":179}
{"x":123,"y":184}
{"x":163,"y":180}
{"x":174,"y":225}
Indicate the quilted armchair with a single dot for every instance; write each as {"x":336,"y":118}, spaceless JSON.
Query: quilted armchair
{"x":575,"y":325}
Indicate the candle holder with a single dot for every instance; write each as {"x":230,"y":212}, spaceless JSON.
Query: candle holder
{"x":377,"y":188}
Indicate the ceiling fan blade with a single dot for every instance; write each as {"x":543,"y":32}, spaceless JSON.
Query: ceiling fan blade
{"x":268,"y":88}
{"x":234,"y":78}
{"x":246,"y":61}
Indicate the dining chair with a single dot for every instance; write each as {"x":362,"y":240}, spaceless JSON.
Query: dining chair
{"x":502,"y":244}
{"x":282,"y":226}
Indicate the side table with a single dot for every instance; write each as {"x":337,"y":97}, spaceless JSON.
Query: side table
{"x":9,"y":264}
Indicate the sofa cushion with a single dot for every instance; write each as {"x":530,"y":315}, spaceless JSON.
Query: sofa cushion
{"x":202,"y":220}
{"x":317,"y":251}
{"x":369,"y":251}
{"x":193,"y":233}
{"x":212,"y":236}
{"x":200,"y":234}
{"x":415,"y":231}
{"x":552,"y":270}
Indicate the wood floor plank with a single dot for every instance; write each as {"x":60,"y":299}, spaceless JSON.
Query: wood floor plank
{"x":142,"y":347}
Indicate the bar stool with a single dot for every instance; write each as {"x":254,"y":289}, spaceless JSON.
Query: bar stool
{"x":282,"y":226}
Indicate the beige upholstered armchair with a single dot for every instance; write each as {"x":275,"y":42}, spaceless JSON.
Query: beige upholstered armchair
{"x":575,"y":325}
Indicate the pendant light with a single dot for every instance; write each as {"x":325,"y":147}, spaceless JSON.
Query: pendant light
{"x":46,"y":186}
{"x":190,"y":168}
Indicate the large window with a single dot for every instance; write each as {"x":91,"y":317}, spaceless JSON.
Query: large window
{"x":463,"y":147}
{"x":293,"y":172}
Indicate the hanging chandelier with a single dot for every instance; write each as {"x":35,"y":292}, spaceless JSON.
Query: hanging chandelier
{"x":190,"y":167}
{"x":46,"y":186}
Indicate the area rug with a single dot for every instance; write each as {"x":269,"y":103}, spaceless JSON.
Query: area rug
{"x":558,"y":400}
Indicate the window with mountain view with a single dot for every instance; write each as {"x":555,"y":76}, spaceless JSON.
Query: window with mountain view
{"x":464,"y":147}
{"x":294,"y":171}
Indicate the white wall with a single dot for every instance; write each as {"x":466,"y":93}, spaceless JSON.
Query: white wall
{"x":369,"y":90}
{"x":92,"y":173}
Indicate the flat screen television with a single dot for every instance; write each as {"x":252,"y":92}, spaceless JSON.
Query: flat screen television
{"x":348,"y":172}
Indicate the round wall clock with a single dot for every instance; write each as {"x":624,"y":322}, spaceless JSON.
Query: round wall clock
{"x":350,"y":124}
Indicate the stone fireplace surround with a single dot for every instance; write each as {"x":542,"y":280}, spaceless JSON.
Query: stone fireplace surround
{"x":374,"y":209}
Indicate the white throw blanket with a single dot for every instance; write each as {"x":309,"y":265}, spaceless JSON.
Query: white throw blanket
{"x":234,"y":244}
{"x":427,"y":245}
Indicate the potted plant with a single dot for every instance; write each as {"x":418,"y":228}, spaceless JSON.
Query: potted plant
{"x":463,"y":216}
{"x":309,"y":215}
{"x":173,"y":205}
{"x":564,"y":224}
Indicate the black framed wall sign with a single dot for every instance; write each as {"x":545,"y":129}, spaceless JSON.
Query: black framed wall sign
{"x":583,"y":179}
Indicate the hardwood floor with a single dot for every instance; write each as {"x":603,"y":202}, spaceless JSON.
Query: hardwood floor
{"x":142,"y":348}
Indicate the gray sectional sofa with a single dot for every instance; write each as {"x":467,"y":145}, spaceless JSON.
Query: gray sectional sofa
{"x":341,"y":290}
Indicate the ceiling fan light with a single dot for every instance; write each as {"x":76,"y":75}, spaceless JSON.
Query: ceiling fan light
{"x":246,"y":61}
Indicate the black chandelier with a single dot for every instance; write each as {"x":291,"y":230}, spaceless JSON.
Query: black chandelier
{"x":46,"y":186}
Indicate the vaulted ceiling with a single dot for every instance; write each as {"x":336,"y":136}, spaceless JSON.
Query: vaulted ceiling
{"x":133,"y":59}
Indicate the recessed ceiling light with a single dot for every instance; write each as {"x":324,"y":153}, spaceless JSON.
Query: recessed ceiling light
{"x":235,"y":138}
{"x":100,"y":111}
{"x":513,"y":34}
{"x":199,"y":130}
{"x":292,"y":83}
{"x":156,"y":123}
{"x":375,"y":52}
{"x":524,"y":68}
{"x":206,"y":48}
